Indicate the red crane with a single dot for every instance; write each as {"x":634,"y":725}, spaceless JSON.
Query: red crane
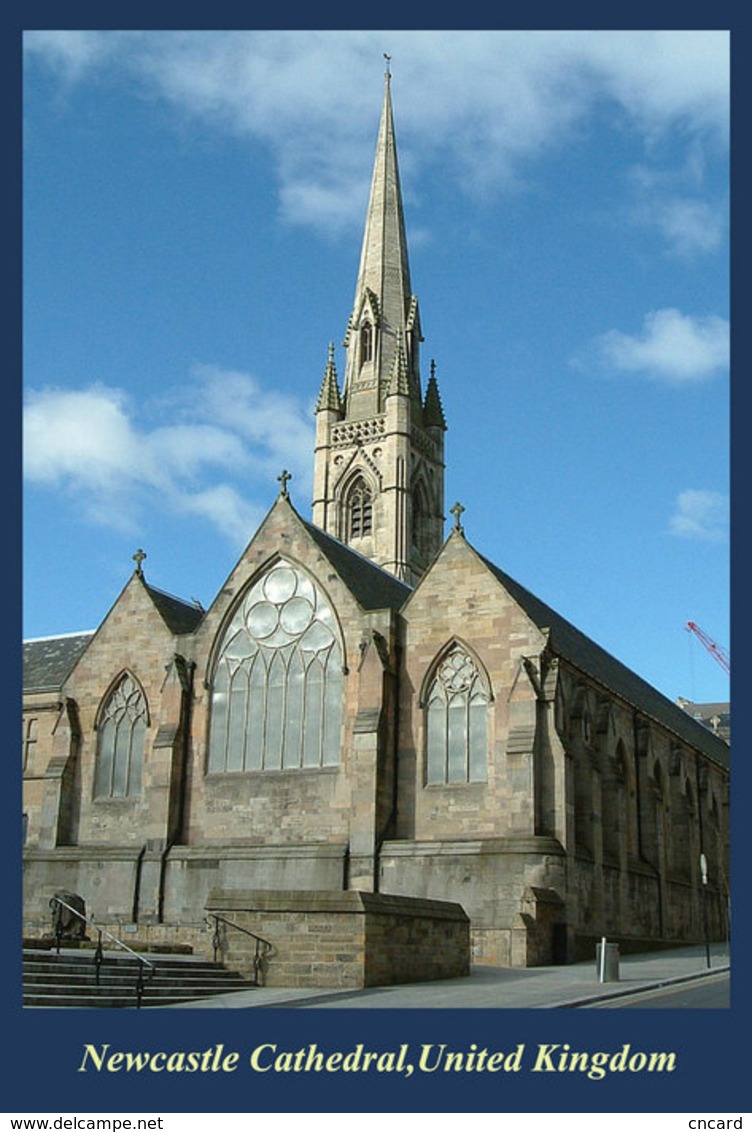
{"x":715,"y":650}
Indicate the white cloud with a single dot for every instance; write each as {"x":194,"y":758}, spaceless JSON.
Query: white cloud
{"x":224,"y":506}
{"x":700,"y":515}
{"x":80,"y":436}
{"x":671,"y":347}
{"x":230,"y":438}
{"x":492,"y":100}
{"x":690,"y":227}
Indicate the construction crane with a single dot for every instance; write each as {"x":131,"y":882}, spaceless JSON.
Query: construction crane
{"x":715,"y":650}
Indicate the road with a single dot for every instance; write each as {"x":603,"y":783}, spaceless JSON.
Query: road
{"x":712,"y":992}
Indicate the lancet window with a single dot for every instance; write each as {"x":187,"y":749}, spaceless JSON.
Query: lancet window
{"x":366,"y":342}
{"x":456,"y":717}
{"x":278,"y":681}
{"x":122,"y":725}
{"x":359,"y":510}
{"x":421,"y":522}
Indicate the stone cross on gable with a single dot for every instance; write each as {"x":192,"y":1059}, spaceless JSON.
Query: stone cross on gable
{"x":457,"y":511}
{"x":283,"y":480}
{"x":138,"y":558}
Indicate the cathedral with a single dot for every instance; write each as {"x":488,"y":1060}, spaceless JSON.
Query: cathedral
{"x":374,"y":742}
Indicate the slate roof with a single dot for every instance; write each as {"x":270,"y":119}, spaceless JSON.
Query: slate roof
{"x":179,"y":616}
{"x":372,"y":587}
{"x":569,"y":643}
{"x":48,"y":660}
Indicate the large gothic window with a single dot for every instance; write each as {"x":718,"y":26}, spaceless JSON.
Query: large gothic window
{"x":277,"y":696}
{"x":456,"y":721}
{"x":359,"y":510}
{"x":120,"y":750}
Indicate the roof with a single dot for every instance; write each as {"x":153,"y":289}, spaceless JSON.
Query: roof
{"x":370,"y":585}
{"x":569,"y":643}
{"x":48,"y":660}
{"x":179,"y":616}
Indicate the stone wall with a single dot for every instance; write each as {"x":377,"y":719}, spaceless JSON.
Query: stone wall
{"x":342,"y":939}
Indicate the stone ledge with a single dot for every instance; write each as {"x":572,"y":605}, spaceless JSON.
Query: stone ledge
{"x":345,"y":902}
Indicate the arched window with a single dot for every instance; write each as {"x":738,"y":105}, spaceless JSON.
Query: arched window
{"x":366,"y":343}
{"x":359,"y":510}
{"x":456,"y":721}
{"x":277,"y":695}
{"x":120,"y":751}
{"x":421,"y":521}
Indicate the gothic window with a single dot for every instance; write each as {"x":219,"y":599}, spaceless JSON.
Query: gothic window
{"x":359,"y":509}
{"x":421,"y":522}
{"x":29,"y":741}
{"x":277,"y":696}
{"x":366,"y":343}
{"x":120,"y":749}
{"x":456,"y":722}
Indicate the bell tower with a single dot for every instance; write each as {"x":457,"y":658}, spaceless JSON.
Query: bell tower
{"x":379,"y":457}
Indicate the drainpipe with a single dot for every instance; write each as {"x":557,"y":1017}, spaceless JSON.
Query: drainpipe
{"x":695,"y":864}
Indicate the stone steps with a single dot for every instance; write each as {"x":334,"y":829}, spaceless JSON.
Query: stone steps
{"x":70,"y":980}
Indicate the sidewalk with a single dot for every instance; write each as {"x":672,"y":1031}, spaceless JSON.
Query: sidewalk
{"x":495,"y":987}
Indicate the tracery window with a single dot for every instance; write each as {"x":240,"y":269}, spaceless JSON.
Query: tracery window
{"x":277,"y":695}
{"x":120,"y":750}
{"x":359,"y":510}
{"x":456,"y":721}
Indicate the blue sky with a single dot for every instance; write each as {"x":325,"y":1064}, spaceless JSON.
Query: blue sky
{"x":193,"y":210}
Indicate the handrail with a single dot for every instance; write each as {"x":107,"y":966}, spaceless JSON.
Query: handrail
{"x":57,"y":902}
{"x":258,"y":956}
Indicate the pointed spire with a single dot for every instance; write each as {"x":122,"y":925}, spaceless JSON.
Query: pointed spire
{"x":383,"y":294}
{"x":433,"y":412}
{"x":399,"y":382}
{"x":329,"y":397}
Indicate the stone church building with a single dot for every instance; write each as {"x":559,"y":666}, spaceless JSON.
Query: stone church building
{"x":369,"y":720}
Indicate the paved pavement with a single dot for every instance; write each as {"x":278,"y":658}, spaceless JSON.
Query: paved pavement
{"x":577,"y":984}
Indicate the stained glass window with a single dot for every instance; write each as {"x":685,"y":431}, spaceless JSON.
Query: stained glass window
{"x":277,"y":695}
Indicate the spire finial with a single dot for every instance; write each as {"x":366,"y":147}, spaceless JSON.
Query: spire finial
{"x":387,"y":72}
{"x":457,"y":512}
{"x":283,"y":478}
{"x":138,"y":558}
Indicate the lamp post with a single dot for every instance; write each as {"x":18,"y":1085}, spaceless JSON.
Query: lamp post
{"x":704,"y":874}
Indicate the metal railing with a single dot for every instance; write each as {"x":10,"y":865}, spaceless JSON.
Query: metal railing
{"x":144,"y":966}
{"x":261,"y":951}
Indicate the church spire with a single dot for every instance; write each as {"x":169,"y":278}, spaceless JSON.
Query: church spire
{"x":385,"y":311}
{"x":379,"y":456}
